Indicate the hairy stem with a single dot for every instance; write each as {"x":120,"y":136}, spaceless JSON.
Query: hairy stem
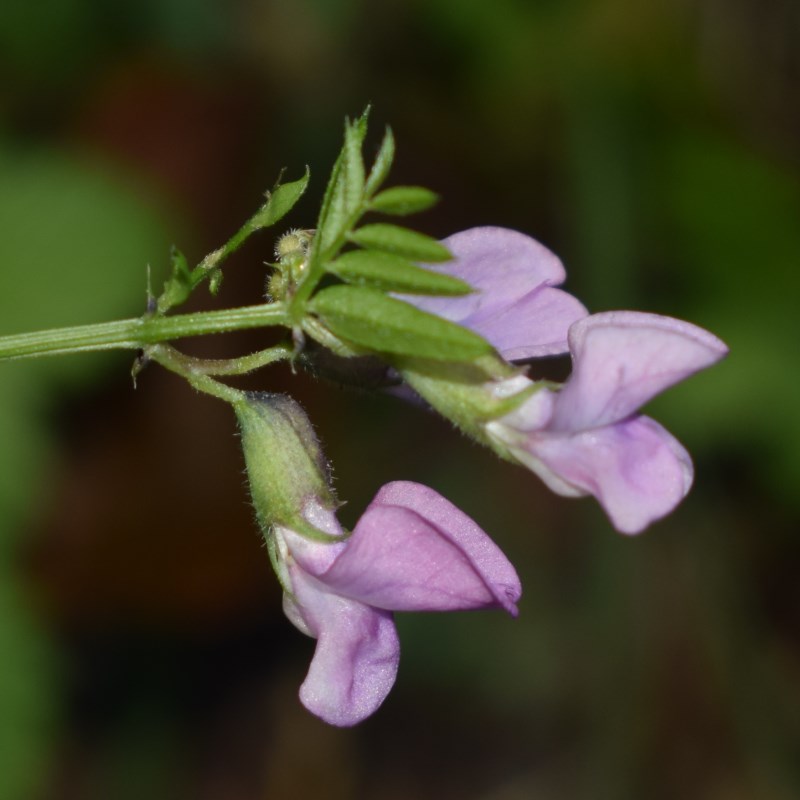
{"x":138,"y":333}
{"x":176,"y":362}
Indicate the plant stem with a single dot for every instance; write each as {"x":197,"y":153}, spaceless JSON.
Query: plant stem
{"x":137,"y":333}
{"x":228,"y":366}
{"x":176,"y":362}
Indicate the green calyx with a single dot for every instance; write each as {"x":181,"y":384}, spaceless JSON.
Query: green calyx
{"x":469,"y":394}
{"x":285,"y":464}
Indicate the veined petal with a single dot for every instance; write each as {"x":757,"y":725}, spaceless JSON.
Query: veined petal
{"x":357,"y":654}
{"x":621,"y":359}
{"x":412,"y":550}
{"x":636,"y":469}
{"x":462,"y":530}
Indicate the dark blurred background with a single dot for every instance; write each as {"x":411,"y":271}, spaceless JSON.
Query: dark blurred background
{"x":654,"y":146}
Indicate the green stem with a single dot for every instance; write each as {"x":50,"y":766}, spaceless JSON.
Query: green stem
{"x":214,"y":259}
{"x":176,"y":362}
{"x":137,"y":333}
{"x":230,"y":366}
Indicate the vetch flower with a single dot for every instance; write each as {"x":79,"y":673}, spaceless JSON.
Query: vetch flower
{"x":587,"y":437}
{"x":411,"y":550}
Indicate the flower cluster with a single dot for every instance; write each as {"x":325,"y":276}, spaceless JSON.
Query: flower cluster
{"x":412,"y":550}
{"x":458,"y":324}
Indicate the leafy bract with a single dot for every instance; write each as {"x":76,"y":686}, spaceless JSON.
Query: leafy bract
{"x":183,"y":281}
{"x":403,"y":200}
{"x":393,"y":273}
{"x":401,"y":241}
{"x":280,"y":202}
{"x":382,"y":165}
{"x":179,"y":285}
{"x":344,"y":194}
{"x":384,"y":263}
{"x":371,"y":320}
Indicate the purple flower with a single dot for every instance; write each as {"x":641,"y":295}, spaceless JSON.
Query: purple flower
{"x":412,"y":550}
{"x":588,"y":438}
{"x":515,"y":305}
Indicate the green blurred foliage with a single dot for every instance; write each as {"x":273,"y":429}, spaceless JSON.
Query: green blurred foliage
{"x":58,"y":212}
{"x":73,"y":248}
{"x":735,"y":247}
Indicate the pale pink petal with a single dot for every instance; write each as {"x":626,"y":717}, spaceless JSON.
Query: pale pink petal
{"x":412,"y":550}
{"x":535,"y":326}
{"x":514,"y":305}
{"x":500,"y":264}
{"x":457,"y":526}
{"x":621,"y":359}
{"x":357,"y":654}
{"x":636,"y":469}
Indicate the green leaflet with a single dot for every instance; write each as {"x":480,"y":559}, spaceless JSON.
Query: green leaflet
{"x":353,"y":173}
{"x":389,"y":249}
{"x":345,"y":191}
{"x":371,"y":320}
{"x":403,"y":200}
{"x":183,"y":281}
{"x":279,"y":202}
{"x":214,"y":281}
{"x":382,"y":165}
{"x":179,"y":285}
{"x":401,"y":241}
{"x":392,"y":273}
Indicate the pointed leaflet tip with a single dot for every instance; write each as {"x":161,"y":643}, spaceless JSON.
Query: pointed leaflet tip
{"x":382,"y":165}
{"x":345,"y":190}
{"x":280,"y":202}
{"x":363,"y":120}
